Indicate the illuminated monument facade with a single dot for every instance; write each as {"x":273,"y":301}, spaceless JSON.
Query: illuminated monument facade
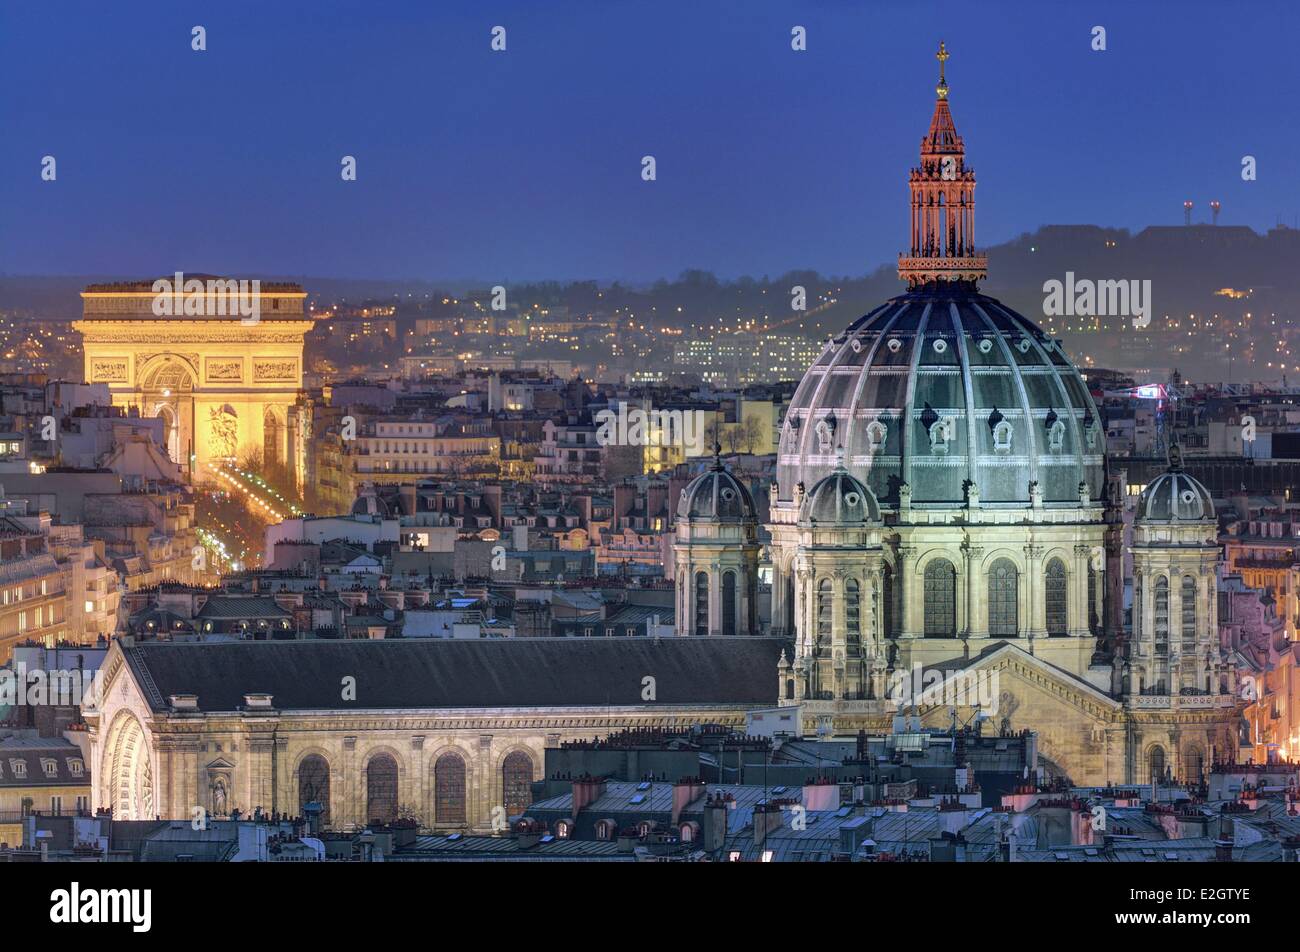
{"x":224,"y":383}
{"x":943,"y":507}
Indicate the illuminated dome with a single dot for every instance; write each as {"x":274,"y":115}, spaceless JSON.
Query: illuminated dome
{"x":939,"y":387}
{"x":1174,"y":496}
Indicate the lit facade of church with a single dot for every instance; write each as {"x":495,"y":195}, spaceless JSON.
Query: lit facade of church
{"x":942,"y":505}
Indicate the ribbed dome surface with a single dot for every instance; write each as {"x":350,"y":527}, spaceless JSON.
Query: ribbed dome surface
{"x":1174,"y":496}
{"x":716,"y":494}
{"x":840,"y":500}
{"x":937,"y":387}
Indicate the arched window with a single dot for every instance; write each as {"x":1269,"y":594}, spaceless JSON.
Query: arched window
{"x":1094,"y":617}
{"x":1004,"y":616}
{"x":449,"y":789}
{"x":1156,"y":763}
{"x":1058,"y":619}
{"x":314,"y":785}
{"x":701,"y":603}
{"x":824,"y":602}
{"x":887,"y":629}
{"x":1189,"y":610}
{"x":517,"y":778}
{"x":1195,"y":762}
{"x":728,"y":603}
{"x":605,"y":830}
{"x":1161,"y":674}
{"x":562,"y":829}
{"x":940,"y":599}
{"x":853,"y":610}
{"x":688,"y":833}
{"x":381,"y":789}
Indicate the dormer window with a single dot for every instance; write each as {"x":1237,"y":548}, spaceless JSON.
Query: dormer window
{"x":1056,"y":436}
{"x":876,"y":434}
{"x":825,"y":434}
{"x":1002,"y":438}
{"x":939,"y":437}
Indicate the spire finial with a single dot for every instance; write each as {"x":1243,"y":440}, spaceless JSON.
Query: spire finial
{"x":942,"y":57}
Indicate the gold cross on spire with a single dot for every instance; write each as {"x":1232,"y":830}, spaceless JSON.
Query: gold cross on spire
{"x":942,"y":57}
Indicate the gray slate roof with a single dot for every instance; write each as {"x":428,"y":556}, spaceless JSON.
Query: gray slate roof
{"x":461,"y":673}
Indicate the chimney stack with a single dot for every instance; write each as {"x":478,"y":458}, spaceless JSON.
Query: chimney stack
{"x":685,"y":792}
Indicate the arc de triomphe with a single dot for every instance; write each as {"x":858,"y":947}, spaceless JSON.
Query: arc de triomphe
{"x":224,"y":384}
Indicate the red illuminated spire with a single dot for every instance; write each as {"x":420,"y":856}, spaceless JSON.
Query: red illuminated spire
{"x":943,"y":204}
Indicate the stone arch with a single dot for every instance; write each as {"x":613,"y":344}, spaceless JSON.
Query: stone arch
{"x":449,"y":786}
{"x":513,"y":793}
{"x":940,"y":582}
{"x":1154,"y":762}
{"x":376,"y":785}
{"x":468,"y":787}
{"x":1002,"y":579}
{"x":166,"y":371}
{"x":312,"y":783}
{"x":127,"y":770}
{"x":1056,"y":596}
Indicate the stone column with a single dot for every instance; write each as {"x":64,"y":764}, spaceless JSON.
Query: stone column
{"x":715,"y":601}
{"x":977,"y":621}
{"x":418,"y":781}
{"x":778,"y":600}
{"x":1077,"y":592}
{"x":908,"y":620}
{"x":1035,"y":595}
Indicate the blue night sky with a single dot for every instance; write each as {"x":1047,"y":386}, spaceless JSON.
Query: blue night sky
{"x":526,"y":164}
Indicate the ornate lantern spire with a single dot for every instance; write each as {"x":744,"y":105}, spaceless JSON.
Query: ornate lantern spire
{"x":943,"y":204}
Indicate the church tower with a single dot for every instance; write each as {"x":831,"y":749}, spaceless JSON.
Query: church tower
{"x":1172,"y":666}
{"x":943,"y":204}
{"x":715,"y":555}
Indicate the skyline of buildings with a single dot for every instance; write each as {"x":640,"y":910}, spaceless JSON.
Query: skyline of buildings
{"x":990,"y":554}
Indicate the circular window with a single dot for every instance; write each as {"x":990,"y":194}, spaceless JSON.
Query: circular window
{"x":940,"y":346}
{"x":852,"y":499}
{"x":894,"y":345}
{"x":728,"y":494}
{"x":1023,"y":345}
{"x":856,"y":345}
{"x":985,"y":346}
{"x":1188,"y":497}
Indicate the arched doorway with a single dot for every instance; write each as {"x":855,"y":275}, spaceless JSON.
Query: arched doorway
{"x":166,"y":387}
{"x":128,"y":775}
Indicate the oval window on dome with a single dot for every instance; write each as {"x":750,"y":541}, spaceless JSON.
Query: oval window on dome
{"x":728,"y":494}
{"x":852,"y":499}
{"x":894,"y":345}
{"x":856,"y":345}
{"x":1189,"y":497}
{"x":940,"y":346}
{"x":1024,"y":345}
{"x":985,"y":346}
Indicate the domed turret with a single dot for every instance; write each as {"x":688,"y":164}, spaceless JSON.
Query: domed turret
{"x":715,"y":555}
{"x":716,"y":495}
{"x":1175,"y":496}
{"x":839,"y":499}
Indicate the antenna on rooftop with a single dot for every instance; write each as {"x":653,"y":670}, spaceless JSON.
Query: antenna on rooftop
{"x":1187,"y":213}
